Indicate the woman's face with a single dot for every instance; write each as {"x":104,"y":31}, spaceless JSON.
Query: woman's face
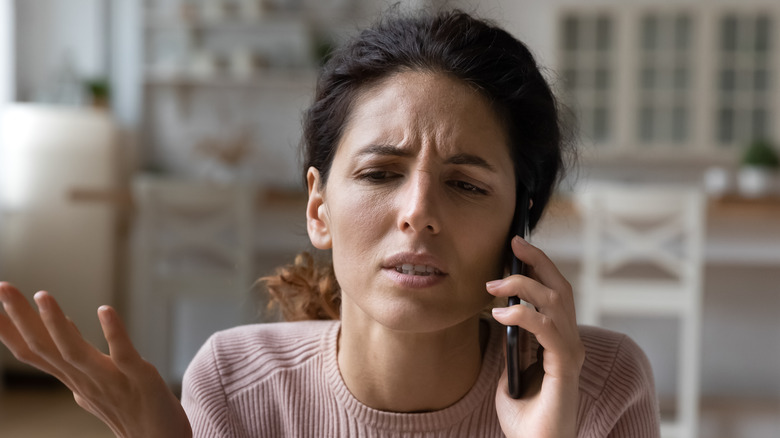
{"x":418,"y":203}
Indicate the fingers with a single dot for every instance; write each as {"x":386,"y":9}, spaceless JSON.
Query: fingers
{"x":552,"y":319}
{"x":12,"y":339}
{"x":29,"y":325}
{"x":547,"y":331}
{"x":28,"y":340}
{"x":532,"y":291}
{"x":563,"y":351}
{"x":50,"y":341}
{"x":121,"y":349}
{"x":122,"y":390}
{"x":71,"y":346}
{"x":543,"y":269}
{"x":545,"y":287}
{"x":548,"y":305}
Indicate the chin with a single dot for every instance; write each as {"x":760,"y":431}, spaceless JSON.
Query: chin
{"x":413,"y":319}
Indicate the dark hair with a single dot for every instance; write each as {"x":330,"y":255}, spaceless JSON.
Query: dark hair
{"x":453,"y":43}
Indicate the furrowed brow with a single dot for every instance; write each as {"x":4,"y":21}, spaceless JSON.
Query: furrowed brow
{"x":385,"y":149}
{"x":470,"y":160}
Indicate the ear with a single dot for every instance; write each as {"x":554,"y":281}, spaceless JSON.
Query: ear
{"x":317,"y":220}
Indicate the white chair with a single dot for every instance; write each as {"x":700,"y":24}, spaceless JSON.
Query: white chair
{"x":192,"y":267}
{"x":643,"y":258}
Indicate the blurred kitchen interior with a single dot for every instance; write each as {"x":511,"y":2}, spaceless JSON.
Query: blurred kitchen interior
{"x":121,"y":118}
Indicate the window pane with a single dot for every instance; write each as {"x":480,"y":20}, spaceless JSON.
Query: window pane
{"x":600,"y":124}
{"x":646,"y":124}
{"x":761,"y":80}
{"x":650,"y":33}
{"x":729,"y":33}
{"x":762,"y":34}
{"x":602,"y":79}
{"x":570,"y":33}
{"x":680,"y":78}
{"x":759,"y":127}
{"x":666,"y":72}
{"x":682,"y":32}
{"x":728,"y":79}
{"x":589,"y":84}
{"x":726,"y":125}
{"x":570,"y":79}
{"x":649,"y":79}
{"x":603,"y":33}
{"x":744,"y":80}
{"x":679,"y":124}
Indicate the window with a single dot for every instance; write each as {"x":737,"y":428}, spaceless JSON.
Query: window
{"x":743,"y":88}
{"x":664,"y":76}
{"x":692,"y":79}
{"x":588,"y":72}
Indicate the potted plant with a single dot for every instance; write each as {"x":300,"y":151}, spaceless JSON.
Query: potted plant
{"x":759,"y":165}
{"x":99,"y":92}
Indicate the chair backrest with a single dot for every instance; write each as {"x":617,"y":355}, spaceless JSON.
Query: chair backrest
{"x":637,"y":236}
{"x":193,"y":256}
{"x":196,"y":228}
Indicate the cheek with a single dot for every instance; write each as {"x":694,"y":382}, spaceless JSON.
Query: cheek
{"x":487,"y":242}
{"x":356,"y":224}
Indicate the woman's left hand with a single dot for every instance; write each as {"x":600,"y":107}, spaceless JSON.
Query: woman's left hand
{"x":120,"y":388}
{"x":548,"y":406}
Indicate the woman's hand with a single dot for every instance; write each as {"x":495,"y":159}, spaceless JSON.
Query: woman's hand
{"x":548,"y":407}
{"x":121,"y":389}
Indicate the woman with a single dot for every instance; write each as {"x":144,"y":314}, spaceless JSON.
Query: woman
{"x":420,"y":132}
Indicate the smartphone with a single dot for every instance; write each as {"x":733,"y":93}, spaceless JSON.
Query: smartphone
{"x":519,"y":228}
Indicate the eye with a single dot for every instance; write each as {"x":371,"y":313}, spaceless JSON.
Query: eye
{"x":376,"y":175}
{"x":469,"y":187}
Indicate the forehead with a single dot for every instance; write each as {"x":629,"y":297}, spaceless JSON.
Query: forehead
{"x":414,"y":108}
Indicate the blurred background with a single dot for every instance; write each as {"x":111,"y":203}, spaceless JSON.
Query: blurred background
{"x":149,"y":160}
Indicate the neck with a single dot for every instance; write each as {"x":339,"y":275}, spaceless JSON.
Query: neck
{"x":409,"y":372}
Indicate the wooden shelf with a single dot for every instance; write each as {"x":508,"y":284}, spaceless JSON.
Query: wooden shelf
{"x":731,"y":204}
{"x":725,"y":205}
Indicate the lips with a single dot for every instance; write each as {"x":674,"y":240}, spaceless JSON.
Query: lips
{"x":424,"y":270}
{"x":414,"y":271}
{"x":409,"y":263}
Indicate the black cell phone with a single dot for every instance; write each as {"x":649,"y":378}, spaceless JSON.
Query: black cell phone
{"x":519,"y":228}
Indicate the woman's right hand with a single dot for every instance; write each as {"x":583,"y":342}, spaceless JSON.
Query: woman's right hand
{"x":121,"y":388}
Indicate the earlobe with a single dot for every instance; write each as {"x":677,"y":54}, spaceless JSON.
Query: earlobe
{"x":317,"y":223}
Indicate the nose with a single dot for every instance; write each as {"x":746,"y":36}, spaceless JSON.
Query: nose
{"x":419,"y":205}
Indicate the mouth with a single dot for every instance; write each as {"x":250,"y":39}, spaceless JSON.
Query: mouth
{"x":419,"y":270}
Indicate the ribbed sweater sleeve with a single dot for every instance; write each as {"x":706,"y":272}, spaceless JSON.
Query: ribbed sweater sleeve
{"x":617,"y":388}
{"x":203,"y":396}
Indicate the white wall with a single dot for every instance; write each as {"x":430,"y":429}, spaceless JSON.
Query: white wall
{"x":50,"y":30}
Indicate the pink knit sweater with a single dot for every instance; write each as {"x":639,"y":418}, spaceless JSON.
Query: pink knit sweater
{"x":282,"y":380}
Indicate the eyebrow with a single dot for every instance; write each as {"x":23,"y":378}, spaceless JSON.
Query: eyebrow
{"x":459,"y":159}
{"x":471,"y":160}
{"x":384,"y":149}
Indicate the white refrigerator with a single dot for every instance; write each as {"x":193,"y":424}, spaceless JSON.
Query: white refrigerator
{"x":58,"y":171}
